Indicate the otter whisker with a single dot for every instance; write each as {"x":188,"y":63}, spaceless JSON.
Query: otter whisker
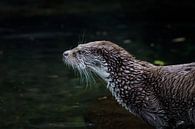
{"x":88,"y":77}
{"x":81,"y":38}
{"x":84,"y":73}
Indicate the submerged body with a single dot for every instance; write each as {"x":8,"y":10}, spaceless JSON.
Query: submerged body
{"x":163,"y":96}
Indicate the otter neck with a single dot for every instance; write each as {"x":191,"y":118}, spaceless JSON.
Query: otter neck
{"x":129,"y":74}
{"x":127,"y":78}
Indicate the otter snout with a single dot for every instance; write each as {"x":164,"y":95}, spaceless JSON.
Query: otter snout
{"x":69,"y":54}
{"x":66,"y":53}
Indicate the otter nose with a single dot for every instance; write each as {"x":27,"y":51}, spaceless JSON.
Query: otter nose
{"x":66,"y":53}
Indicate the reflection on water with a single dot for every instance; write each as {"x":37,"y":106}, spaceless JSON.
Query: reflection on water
{"x":37,"y":91}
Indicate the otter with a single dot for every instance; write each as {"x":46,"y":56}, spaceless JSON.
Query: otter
{"x":163,"y":96}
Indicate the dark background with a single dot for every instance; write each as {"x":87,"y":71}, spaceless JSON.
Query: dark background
{"x":38,"y":92}
{"x":160,"y":24}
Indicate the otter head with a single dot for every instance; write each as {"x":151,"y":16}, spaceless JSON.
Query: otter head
{"x":100,"y":57}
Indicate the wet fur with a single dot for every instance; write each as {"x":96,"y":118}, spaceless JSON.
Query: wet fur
{"x":163,"y":96}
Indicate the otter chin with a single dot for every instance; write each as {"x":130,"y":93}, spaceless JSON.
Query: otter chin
{"x":163,"y":96}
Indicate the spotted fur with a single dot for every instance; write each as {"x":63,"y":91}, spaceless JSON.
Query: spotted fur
{"x":163,"y":96}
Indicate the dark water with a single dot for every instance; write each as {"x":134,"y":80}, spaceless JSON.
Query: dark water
{"x":37,"y":91}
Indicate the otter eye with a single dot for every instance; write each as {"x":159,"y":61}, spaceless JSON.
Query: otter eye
{"x":79,"y":51}
{"x":74,"y":54}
